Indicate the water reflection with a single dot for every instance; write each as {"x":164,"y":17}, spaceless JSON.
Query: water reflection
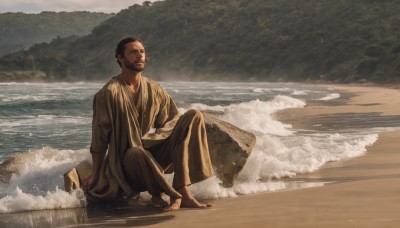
{"x":111,"y":214}
{"x":45,"y":218}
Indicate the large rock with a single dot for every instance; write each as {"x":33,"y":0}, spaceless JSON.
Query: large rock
{"x":229,"y":148}
{"x":7,"y":168}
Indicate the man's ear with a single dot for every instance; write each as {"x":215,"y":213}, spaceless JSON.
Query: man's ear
{"x":120,"y":59}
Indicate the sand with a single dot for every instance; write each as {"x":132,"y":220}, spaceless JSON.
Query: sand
{"x":361,"y":192}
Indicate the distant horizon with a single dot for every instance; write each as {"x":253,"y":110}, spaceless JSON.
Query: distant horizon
{"x":39,"y":6}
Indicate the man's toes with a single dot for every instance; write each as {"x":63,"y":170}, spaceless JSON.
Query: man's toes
{"x":172,"y":207}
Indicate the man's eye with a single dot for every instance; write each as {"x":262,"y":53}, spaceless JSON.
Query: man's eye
{"x":137,"y":51}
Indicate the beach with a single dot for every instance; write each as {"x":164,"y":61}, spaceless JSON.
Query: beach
{"x":359,"y":192}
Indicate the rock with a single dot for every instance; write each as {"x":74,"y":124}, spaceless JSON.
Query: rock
{"x":229,"y":148}
{"x":7,"y":168}
{"x":74,"y":178}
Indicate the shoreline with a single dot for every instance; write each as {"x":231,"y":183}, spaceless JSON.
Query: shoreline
{"x":360,"y":192}
{"x":364,"y":191}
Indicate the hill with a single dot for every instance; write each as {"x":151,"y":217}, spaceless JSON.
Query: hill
{"x":20,"y":31}
{"x":272,"y":40}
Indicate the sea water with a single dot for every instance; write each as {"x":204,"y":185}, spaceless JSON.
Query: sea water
{"x":46,"y":128}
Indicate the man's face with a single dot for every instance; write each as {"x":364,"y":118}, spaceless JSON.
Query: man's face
{"x":134,"y":57}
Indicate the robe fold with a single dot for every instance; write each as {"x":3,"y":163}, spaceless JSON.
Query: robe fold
{"x":141,"y":136}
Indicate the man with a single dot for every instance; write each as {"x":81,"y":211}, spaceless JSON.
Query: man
{"x":138,"y":123}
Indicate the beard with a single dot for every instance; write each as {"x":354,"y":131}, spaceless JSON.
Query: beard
{"x":134,"y":66}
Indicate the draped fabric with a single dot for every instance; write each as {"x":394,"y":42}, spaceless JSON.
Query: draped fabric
{"x":140,"y":137}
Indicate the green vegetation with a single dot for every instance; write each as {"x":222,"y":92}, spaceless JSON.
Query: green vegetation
{"x":20,"y":31}
{"x":302,"y":40}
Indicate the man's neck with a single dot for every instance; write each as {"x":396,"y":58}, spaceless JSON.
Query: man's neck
{"x":132,"y":79}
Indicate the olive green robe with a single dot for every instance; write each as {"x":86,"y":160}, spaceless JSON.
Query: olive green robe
{"x":143,"y":135}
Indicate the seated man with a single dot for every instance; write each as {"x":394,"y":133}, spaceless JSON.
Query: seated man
{"x":137,"y":121}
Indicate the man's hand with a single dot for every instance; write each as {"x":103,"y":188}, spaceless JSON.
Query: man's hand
{"x":94,"y":176}
{"x":90,"y":181}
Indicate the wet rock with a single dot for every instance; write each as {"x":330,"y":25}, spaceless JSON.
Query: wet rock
{"x":229,"y":148}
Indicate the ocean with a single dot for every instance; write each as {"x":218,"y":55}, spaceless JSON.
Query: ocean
{"x":46,"y":129}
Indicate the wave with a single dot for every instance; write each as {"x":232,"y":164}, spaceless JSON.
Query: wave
{"x":256,"y":116}
{"x":47,"y":84}
{"x":57,"y":199}
{"x":32,"y":180}
{"x":35,"y":178}
{"x":330,"y":97}
{"x":41,"y":120}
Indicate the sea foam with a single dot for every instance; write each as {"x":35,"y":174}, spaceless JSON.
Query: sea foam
{"x":330,"y":97}
{"x":280,"y":151}
{"x":37,"y":179}
{"x":57,"y":199}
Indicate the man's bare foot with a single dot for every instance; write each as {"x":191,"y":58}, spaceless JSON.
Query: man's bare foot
{"x":189,"y":201}
{"x":193,"y":203}
{"x":158,"y":202}
{"x":174,"y":205}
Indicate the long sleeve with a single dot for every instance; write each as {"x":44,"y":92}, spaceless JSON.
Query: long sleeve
{"x":101,"y":125}
{"x":168,"y":113}
{"x":165,"y":119}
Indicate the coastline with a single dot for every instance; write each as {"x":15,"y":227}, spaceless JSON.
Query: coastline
{"x":363,"y":191}
{"x":360,"y":192}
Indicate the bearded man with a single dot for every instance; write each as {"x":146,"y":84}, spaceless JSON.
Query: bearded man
{"x":138,"y":133}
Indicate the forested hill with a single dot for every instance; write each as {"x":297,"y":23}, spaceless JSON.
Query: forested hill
{"x":19,"y":30}
{"x":300,"y":40}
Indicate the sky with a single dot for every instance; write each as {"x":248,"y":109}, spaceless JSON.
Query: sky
{"x":37,"y":6}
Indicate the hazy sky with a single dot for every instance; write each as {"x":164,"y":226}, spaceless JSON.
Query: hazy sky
{"x":37,"y":6}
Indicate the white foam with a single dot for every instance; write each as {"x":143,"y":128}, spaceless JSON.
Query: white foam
{"x":26,"y":98}
{"x":258,"y":90}
{"x":47,"y":158}
{"x":281,"y":89}
{"x":299,"y":92}
{"x":330,"y":97}
{"x":256,"y":116}
{"x":274,"y":158}
{"x":58,"y":199}
{"x":35,"y":184}
{"x":49,"y":84}
{"x":212,"y":189}
{"x":279,"y":152}
{"x":40,"y":120}
{"x":39,"y":92}
{"x":277,"y":157}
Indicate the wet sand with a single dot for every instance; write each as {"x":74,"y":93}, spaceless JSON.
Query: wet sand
{"x":361,"y":192}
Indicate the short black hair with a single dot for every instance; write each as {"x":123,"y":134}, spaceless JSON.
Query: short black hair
{"x":121,"y":46}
